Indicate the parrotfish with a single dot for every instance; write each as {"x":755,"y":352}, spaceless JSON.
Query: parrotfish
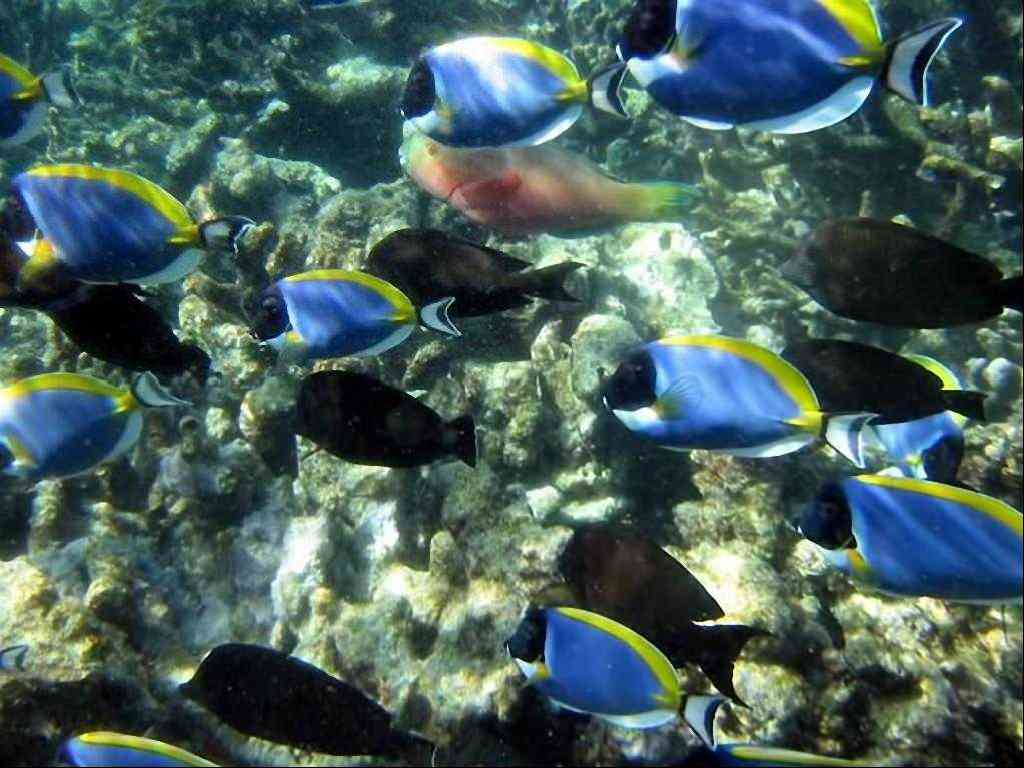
{"x":699,"y":713}
{"x":537,"y":190}
{"x":785,"y":67}
{"x":13,"y":657}
{"x":428,"y":265}
{"x":726,"y":395}
{"x":585,"y":662}
{"x":335,"y":313}
{"x":362,"y":420}
{"x":23,"y":100}
{"x":64,"y":424}
{"x":103,"y":748}
{"x":111,"y":226}
{"x":848,"y":376}
{"x":501,"y":91}
{"x":890,"y":274}
{"x":918,"y":538}
{"x":930,"y":448}
{"x":628,"y":578}
{"x":268,"y":694}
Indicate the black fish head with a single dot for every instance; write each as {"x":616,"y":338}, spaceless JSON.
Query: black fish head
{"x":6,"y":457}
{"x":419,"y":94}
{"x":827,"y":521}
{"x":941,"y":460}
{"x":632,"y":385}
{"x":268,"y":315}
{"x":650,"y":30}
{"x":527,"y":642}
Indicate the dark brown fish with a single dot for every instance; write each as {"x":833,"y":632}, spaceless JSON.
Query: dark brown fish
{"x":886,"y":273}
{"x":112,"y":323}
{"x":268,"y":694}
{"x":428,"y":265}
{"x":632,"y":580}
{"x":849,"y":377}
{"x":359,"y":419}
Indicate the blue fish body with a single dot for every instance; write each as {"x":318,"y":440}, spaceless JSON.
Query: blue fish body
{"x":115,"y":749}
{"x":721,"y":394}
{"x":335,"y":313}
{"x":62,"y":424}
{"x":494,"y":91}
{"x":595,"y":665}
{"x":110,"y":226}
{"x":919,"y":538}
{"x":21,"y":103}
{"x":788,"y":66}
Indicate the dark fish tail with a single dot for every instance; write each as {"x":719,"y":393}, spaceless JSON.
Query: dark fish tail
{"x":1011,"y":292}
{"x":720,"y":646}
{"x":411,"y":747}
{"x":546,"y":283}
{"x":463,"y":439}
{"x":966,"y":402}
{"x":909,"y":56}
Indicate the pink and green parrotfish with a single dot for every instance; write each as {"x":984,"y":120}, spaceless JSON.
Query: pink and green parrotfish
{"x":536,"y":190}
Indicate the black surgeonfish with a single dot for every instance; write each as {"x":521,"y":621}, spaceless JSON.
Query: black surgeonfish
{"x":852,"y":377}
{"x":632,"y":580}
{"x":362,"y":420}
{"x":268,"y":694}
{"x":112,"y":323}
{"x":887,"y":273}
{"x":428,"y":265}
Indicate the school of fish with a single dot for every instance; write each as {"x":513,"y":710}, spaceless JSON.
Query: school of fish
{"x":79,"y":243}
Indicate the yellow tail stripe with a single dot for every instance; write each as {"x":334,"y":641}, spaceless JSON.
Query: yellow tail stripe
{"x":994,"y":508}
{"x":857,"y":17}
{"x":141,"y":744}
{"x":404,"y":310}
{"x":654,"y":658}
{"x":548,"y":58}
{"x":788,"y":378}
{"x":186,"y":231}
{"x":64,"y":381}
{"x":14,"y":70}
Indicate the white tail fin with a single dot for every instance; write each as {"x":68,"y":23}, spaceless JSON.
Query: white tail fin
{"x":845,"y":433}
{"x":604,"y":89}
{"x":225,"y":233}
{"x":435,"y":316}
{"x":910,"y":56}
{"x":699,"y":713}
{"x":150,"y":393}
{"x":59,"y":90}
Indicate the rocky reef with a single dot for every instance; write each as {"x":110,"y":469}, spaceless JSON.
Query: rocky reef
{"x":406,"y":582}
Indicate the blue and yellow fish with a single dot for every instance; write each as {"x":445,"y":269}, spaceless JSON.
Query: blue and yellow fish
{"x":930,"y":448}
{"x":64,"y":424}
{"x":104,"y":748}
{"x":111,"y":226}
{"x":699,"y":713}
{"x":588,"y":663}
{"x":336,"y":313}
{"x":784,"y":67}
{"x":727,"y":395}
{"x":501,"y":92}
{"x":13,"y":657}
{"x":918,"y":538}
{"x":23,"y":100}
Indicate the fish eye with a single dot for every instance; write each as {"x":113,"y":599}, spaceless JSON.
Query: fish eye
{"x":650,"y":30}
{"x":420,"y":93}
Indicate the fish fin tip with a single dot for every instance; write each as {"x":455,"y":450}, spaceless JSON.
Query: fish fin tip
{"x":698,"y":712}
{"x":966,"y":402}
{"x":435,"y":316}
{"x":463,"y":430}
{"x":547,"y":282}
{"x":845,"y":433}
{"x":911,"y":55}
{"x":60,"y":90}
{"x":1011,"y":293}
{"x":150,"y":393}
{"x":829,"y":111}
{"x":605,"y":89}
